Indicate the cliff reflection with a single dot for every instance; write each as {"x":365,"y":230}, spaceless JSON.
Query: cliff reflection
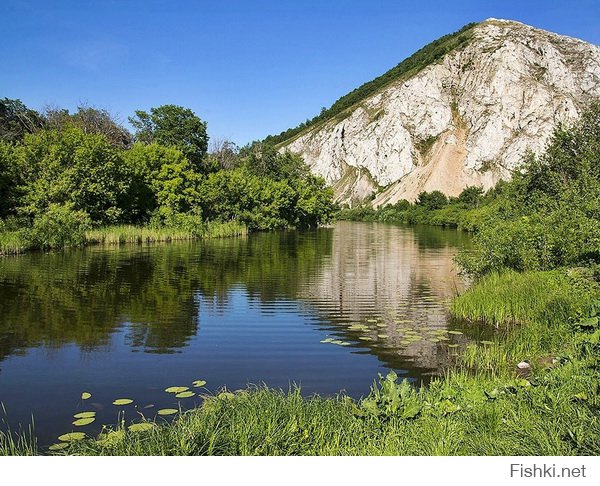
{"x":348,"y":274}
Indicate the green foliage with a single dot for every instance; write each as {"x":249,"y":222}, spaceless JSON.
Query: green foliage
{"x":71,"y":167}
{"x":510,"y":297}
{"x":263,"y":160}
{"x":432,"y":200}
{"x":548,"y":216}
{"x":85,"y":164}
{"x":8,"y":180}
{"x":175,"y":126}
{"x":391,"y":399}
{"x":470,"y":197}
{"x":424,"y":57}
{"x":59,"y":226}
{"x":270,"y":190}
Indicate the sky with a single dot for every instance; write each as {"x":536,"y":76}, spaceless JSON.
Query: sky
{"x":248,"y":68}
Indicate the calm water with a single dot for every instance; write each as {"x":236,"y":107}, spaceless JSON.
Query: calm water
{"x":128,"y":322}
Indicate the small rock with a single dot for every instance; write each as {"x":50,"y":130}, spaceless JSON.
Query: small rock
{"x":524,"y":365}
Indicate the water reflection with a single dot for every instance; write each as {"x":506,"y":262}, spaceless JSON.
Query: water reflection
{"x":133,"y":320}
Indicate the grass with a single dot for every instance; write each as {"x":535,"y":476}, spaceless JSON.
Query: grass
{"x":483,"y":406}
{"x":13,"y":243}
{"x":17,"y":242}
{"x":113,"y":235}
{"x":21,"y":443}
{"x":510,"y":297}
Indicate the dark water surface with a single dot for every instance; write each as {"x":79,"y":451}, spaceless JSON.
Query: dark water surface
{"x":129,"y":321}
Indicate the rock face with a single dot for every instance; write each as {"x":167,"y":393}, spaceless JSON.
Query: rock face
{"x":466,"y":120}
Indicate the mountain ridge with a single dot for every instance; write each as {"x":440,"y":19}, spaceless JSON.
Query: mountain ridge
{"x":466,"y":118}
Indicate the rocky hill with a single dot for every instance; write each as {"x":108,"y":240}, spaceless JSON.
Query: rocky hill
{"x":466,"y":117}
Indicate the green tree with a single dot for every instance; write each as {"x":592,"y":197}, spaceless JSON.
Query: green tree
{"x":69,"y":166}
{"x":8,"y":180}
{"x":264,"y":160}
{"x":176,"y":126}
{"x":432,"y":200}
{"x":471,"y":196}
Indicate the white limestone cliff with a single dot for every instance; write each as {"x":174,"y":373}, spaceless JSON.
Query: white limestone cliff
{"x":466,"y":120}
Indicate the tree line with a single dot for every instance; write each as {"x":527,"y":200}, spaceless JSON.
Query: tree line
{"x":86,"y":169}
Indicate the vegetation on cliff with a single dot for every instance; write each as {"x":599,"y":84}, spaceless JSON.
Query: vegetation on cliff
{"x":424,"y":57}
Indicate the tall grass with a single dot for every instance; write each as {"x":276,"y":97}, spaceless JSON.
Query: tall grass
{"x":13,"y":243}
{"x":112,"y":235}
{"x":16,"y":443}
{"x":17,"y":242}
{"x":502,"y":299}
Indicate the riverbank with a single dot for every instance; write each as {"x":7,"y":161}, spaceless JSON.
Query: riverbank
{"x":452,"y":215}
{"x":21,"y":241}
{"x":485,"y":405}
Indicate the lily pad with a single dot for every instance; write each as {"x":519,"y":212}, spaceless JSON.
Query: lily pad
{"x":143,"y":427}
{"x":382,"y":336}
{"x":72,"y":436}
{"x":185,"y":394}
{"x":358,"y":327}
{"x":328,"y":340}
{"x":199,"y":383}
{"x":86,"y":395}
{"x":453,"y":345}
{"x":122,"y":401}
{"x":83,"y":421}
{"x":456,"y":333}
{"x":83,"y":415}
{"x":59,"y":446}
{"x":177,"y":389}
{"x":365,"y":338}
{"x":373,"y":320}
{"x":167,"y":411}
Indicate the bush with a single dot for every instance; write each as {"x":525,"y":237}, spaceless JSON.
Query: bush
{"x":60,"y":226}
{"x":432,"y":200}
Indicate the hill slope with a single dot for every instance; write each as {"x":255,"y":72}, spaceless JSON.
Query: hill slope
{"x":464,"y":114}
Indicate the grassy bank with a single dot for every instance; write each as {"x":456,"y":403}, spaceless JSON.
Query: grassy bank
{"x":483,"y":406}
{"x":112,"y":235}
{"x":21,"y":241}
{"x":452,"y":216}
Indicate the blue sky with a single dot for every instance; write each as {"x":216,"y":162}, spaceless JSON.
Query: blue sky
{"x":248,"y":68}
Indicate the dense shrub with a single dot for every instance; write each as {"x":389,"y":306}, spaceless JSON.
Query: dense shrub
{"x":71,"y":167}
{"x":59,"y":226}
